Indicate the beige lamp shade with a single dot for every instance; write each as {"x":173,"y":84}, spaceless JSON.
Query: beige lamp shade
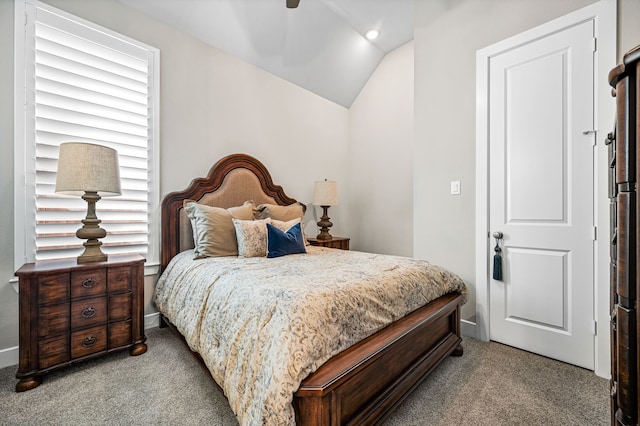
{"x":85,"y":167}
{"x":325,"y":193}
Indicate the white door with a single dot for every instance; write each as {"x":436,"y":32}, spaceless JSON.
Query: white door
{"x":541,"y":188}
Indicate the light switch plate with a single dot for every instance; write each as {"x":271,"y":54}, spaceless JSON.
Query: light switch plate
{"x":455,"y":187}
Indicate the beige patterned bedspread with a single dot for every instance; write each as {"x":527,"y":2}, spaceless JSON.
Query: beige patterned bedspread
{"x":263,"y":325}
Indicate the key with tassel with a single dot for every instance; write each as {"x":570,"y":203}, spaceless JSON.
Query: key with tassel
{"x":497,"y":258}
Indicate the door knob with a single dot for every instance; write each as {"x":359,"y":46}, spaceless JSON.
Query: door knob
{"x":497,"y":235}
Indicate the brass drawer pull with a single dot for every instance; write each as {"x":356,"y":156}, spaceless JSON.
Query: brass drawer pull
{"x":89,"y":342}
{"x":90,"y":312}
{"x":89,"y":283}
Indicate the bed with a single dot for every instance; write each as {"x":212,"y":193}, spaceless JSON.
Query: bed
{"x":307,"y":371}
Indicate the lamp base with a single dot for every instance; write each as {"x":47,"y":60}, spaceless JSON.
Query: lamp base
{"x":92,"y":252}
{"x":91,"y":231}
{"x":324,"y":224}
{"x":324,"y":235}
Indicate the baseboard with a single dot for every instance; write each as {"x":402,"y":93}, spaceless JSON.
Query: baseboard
{"x":152,"y":320}
{"x":468,"y":329}
{"x":9,"y":356}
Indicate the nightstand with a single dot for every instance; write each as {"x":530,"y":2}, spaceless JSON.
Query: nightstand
{"x":341,"y":243}
{"x":72,"y":312}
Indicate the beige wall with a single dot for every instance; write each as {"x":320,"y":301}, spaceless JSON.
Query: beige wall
{"x":628,"y":26}
{"x":380,"y":196}
{"x":212,"y":104}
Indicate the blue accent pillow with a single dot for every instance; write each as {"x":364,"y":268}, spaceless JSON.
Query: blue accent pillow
{"x":281,"y":243}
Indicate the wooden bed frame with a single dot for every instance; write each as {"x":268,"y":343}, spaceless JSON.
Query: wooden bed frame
{"x":365,"y":383}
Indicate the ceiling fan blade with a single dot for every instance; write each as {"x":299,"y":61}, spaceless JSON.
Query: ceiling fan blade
{"x":292,"y":4}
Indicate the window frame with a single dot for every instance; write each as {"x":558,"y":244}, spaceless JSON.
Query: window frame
{"x":24,"y":228}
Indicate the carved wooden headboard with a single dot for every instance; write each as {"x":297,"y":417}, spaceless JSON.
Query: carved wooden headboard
{"x":230,"y":182}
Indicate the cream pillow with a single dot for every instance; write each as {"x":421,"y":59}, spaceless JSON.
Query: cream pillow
{"x":213,"y":232}
{"x":284,"y":226}
{"x":252,"y":237}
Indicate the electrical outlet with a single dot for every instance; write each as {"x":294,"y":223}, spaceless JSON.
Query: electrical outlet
{"x":455,"y":187}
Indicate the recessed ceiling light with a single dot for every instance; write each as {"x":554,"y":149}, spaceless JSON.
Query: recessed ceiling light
{"x":372,"y":34}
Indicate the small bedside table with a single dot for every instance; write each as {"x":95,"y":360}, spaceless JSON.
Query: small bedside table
{"x":341,"y":243}
{"x":72,"y":312}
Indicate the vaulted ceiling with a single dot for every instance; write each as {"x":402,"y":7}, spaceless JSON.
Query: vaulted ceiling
{"x":320,"y":45}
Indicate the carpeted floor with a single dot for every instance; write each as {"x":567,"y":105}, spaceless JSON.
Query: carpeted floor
{"x":491,"y":384}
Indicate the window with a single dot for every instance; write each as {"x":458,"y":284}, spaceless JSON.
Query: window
{"x":79,"y":82}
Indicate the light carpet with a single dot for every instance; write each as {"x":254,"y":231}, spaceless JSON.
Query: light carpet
{"x":491,"y":384}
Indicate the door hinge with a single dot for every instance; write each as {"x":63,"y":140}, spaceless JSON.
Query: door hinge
{"x":595,"y":44}
{"x":594,"y":233}
{"x":595,"y":328}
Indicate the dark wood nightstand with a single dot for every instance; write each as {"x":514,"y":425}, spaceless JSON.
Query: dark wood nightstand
{"x":341,"y":243}
{"x":72,"y":312}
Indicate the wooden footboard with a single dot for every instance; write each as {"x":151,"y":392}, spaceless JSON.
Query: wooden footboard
{"x":365,"y":383}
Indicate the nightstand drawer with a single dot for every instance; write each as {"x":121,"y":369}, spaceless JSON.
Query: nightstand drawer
{"x":341,"y":243}
{"x":119,"y":334}
{"x":88,"y":341}
{"x":53,"y":351}
{"x":88,"y":312}
{"x":53,"y":319}
{"x":88,"y":283}
{"x":53,"y":288}
{"x":119,"y":279}
{"x":120,"y":306}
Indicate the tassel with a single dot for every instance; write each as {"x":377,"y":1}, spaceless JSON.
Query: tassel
{"x":497,"y":264}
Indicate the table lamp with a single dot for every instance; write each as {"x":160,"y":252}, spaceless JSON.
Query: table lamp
{"x":325,"y":194}
{"x":91,"y":171}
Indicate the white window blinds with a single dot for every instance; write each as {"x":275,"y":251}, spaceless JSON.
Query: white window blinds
{"x":86,"y":84}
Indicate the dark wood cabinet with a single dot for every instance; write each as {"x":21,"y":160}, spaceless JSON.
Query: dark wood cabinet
{"x":341,"y":243}
{"x":71,"y":312}
{"x":624,"y":143}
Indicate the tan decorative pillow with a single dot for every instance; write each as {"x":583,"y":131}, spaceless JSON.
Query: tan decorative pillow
{"x":252,"y":237}
{"x":283,"y":213}
{"x":213,"y":232}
